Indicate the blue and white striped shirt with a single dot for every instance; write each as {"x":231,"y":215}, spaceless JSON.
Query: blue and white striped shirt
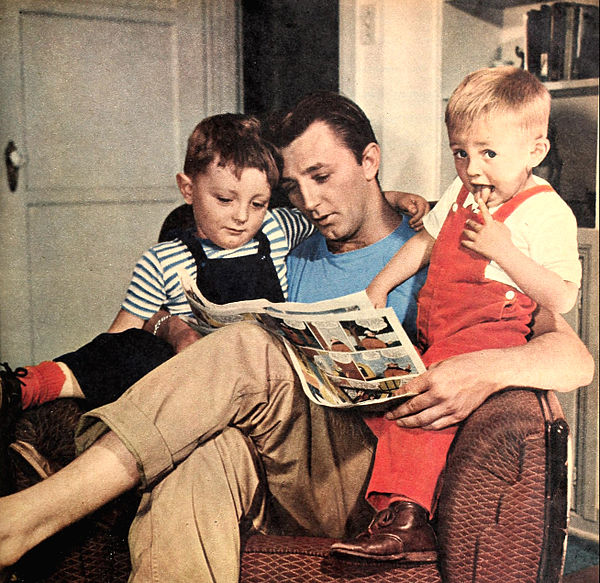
{"x":155,"y":281}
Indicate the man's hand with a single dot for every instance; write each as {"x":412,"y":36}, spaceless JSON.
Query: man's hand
{"x":173,"y":330}
{"x":413,"y":205}
{"x":489,"y":239}
{"x":448,"y":393}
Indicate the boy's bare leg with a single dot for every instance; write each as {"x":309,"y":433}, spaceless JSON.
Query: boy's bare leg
{"x":99,"y":475}
{"x":71,"y":386}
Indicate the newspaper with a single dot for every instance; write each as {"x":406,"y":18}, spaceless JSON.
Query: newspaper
{"x":346,"y":352}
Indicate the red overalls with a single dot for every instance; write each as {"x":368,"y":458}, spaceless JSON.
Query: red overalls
{"x":460,"y":311}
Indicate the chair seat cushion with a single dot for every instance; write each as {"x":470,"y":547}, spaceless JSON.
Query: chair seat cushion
{"x":274,"y":559}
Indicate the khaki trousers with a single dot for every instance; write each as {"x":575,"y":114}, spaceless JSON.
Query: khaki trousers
{"x":206,"y":428}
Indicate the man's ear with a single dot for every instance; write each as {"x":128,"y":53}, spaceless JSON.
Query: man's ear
{"x":371,"y":159}
{"x":538,"y":151}
{"x":185,"y":186}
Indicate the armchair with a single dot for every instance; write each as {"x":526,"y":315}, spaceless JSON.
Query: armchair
{"x":501,"y":518}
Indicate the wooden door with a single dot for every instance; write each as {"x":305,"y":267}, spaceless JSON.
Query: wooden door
{"x":99,"y":98}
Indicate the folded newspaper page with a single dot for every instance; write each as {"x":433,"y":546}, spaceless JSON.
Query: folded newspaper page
{"x":346,"y":352}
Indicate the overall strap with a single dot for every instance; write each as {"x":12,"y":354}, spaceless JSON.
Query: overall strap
{"x":194,"y":245}
{"x":509,"y":206}
{"x":264,"y":247}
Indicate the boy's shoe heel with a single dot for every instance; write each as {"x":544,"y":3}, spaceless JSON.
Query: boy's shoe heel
{"x":7,"y":576}
{"x":28,"y":458}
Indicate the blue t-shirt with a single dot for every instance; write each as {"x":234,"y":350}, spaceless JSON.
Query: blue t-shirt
{"x":314,"y":273}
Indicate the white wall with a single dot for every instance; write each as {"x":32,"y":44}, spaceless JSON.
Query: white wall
{"x":383,"y":45}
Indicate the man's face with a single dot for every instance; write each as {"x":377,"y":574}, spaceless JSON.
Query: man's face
{"x":228,"y":210}
{"x":324,"y":180}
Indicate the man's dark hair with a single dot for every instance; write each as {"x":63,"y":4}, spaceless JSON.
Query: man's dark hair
{"x":342,"y":115}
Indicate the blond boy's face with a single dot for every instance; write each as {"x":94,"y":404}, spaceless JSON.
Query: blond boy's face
{"x":494,"y":158}
{"x":228,"y":210}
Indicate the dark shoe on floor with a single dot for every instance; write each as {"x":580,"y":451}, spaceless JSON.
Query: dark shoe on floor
{"x":10,"y":409}
{"x":400,"y":532}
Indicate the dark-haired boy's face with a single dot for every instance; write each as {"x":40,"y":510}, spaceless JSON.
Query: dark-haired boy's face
{"x":324,"y":180}
{"x":228,"y":210}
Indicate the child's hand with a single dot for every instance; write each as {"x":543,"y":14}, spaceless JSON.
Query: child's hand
{"x":489,"y":239}
{"x":377,"y":295}
{"x":413,"y":205}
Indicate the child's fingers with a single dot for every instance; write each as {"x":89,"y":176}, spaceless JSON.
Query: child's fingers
{"x":469,"y":234}
{"x":416,"y":223}
{"x":421,"y":207}
{"x":472,"y":226}
{"x":483,"y":209}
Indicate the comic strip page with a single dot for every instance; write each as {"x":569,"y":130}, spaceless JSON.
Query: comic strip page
{"x":345,"y":352}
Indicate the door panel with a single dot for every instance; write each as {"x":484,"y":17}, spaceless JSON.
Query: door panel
{"x":79,"y":274}
{"x":100,"y":97}
{"x":100,"y":76}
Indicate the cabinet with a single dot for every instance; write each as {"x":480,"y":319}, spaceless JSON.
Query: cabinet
{"x":477,"y":34}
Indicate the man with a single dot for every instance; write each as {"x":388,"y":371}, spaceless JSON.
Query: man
{"x":222,"y":432}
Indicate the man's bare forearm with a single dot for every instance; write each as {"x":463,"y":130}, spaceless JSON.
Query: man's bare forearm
{"x":171,"y":329}
{"x":555,"y":358}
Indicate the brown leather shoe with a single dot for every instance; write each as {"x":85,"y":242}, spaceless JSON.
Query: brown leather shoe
{"x":400,"y":532}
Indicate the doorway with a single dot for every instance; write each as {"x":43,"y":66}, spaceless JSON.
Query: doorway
{"x":290,"y":48}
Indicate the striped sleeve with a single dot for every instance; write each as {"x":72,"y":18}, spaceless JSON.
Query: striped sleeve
{"x":295,"y":225}
{"x":155,"y":281}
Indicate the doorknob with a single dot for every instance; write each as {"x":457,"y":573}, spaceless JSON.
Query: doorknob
{"x":13,"y":160}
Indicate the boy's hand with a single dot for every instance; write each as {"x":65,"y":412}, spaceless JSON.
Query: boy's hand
{"x":489,"y":239}
{"x":413,"y":205}
{"x":173,"y":330}
{"x":377,"y":295}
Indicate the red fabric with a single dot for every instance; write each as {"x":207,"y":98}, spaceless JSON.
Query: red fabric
{"x":43,"y":383}
{"x":408,"y":462}
{"x":459,"y":311}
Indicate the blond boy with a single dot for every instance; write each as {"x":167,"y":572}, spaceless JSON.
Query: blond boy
{"x":499,"y":243}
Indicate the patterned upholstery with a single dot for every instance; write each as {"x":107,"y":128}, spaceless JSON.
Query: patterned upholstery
{"x":282,"y":559}
{"x":501,"y":516}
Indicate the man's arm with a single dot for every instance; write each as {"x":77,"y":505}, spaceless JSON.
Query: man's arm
{"x":554,"y":359}
{"x":172,"y":329}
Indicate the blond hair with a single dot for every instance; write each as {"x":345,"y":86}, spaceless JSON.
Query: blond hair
{"x":500,"y":91}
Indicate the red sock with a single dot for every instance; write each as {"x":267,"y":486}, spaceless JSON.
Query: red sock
{"x":43,"y":383}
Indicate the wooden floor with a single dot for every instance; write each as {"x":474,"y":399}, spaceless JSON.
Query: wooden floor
{"x":589,"y":575}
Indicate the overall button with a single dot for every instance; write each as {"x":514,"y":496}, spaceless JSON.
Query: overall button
{"x":454,"y":207}
{"x":510,"y":295}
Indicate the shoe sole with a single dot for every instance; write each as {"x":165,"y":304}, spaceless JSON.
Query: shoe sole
{"x":38,"y":463}
{"x":413,"y":557}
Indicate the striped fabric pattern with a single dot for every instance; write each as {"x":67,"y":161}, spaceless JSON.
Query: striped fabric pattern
{"x":155,"y":281}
